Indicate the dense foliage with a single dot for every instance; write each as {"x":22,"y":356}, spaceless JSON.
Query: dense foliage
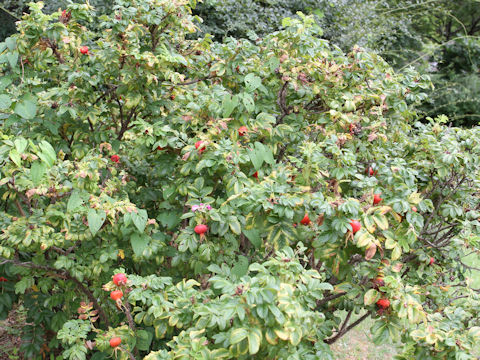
{"x":224,"y":180}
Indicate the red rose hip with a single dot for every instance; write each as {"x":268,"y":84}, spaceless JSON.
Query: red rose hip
{"x":119,"y":279}
{"x":115,"y":341}
{"x":242,"y":130}
{"x":198,"y":144}
{"x":305,"y":220}
{"x":432,"y":261}
{"x":201,"y":229}
{"x":356,"y":225}
{"x":115,"y":295}
{"x":84,"y":50}
{"x":115,"y":158}
{"x":377,"y":199}
{"x":383,"y":303}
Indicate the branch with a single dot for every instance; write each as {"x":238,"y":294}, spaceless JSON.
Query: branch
{"x":329,"y":298}
{"x":350,"y":327}
{"x":281,"y":101}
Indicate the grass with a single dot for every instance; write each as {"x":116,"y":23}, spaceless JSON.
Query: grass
{"x":357,"y":344}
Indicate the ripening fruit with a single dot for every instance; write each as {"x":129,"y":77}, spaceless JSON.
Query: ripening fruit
{"x":383,"y":303}
{"x":356,"y":225}
{"x":432,"y":260}
{"x":115,"y":158}
{"x":201,"y":229}
{"x":114,"y":342}
{"x":242,"y":130}
{"x":377,"y":199}
{"x":115,"y":295}
{"x":2,"y":279}
{"x":378,"y":282}
{"x":198,"y":144}
{"x":160,"y":148}
{"x":255,"y":175}
{"x":305,"y":220}
{"x":120,"y":279}
{"x":84,"y":50}
{"x":414,"y":209}
{"x":371,"y":172}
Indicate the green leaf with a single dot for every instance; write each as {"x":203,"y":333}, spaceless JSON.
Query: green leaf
{"x":140,"y":219}
{"x":144,"y":339}
{"x":229,"y":104}
{"x":254,"y":236}
{"x":252,"y":82}
{"x":5,"y":102}
{"x":256,"y":158}
{"x":75,"y":201}
{"x":139,"y":243}
{"x":241,"y":267}
{"x":254,"y":340}
{"x":15,"y":157}
{"x":47,"y":153}
{"x":234,"y":225}
{"x":95,"y":220}
{"x":370,"y":297}
{"x":13,"y":58}
{"x":248,"y":102}
{"x":26,"y":109}
{"x":11,"y":43}
{"x":37,"y":172}
{"x":238,"y":335}
{"x":21,"y":145}
{"x":26,"y":282}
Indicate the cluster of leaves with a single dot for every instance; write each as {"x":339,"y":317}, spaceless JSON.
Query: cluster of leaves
{"x":121,"y":133}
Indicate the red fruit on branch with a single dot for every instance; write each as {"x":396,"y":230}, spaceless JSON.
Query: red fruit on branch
{"x":242,"y":130}
{"x":255,"y":175}
{"x":115,"y":158}
{"x":84,"y":50}
{"x":377,"y":199}
{"x":160,"y":148}
{"x":115,"y":295}
{"x":115,"y":341}
{"x":371,"y":172}
{"x":432,"y":261}
{"x":201,"y":229}
{"x":198,"y":144}
{"x":120,"y":279}
{"x":2,"y":279}
{"x":305,"y":220}
{"x":414,"y":209}
{"x":383,"y":303}
{"x":356,"y":225}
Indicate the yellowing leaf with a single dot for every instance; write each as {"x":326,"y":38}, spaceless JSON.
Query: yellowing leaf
{"x":414,"y":198}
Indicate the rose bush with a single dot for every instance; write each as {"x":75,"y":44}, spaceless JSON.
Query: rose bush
{"x":126,"y":159}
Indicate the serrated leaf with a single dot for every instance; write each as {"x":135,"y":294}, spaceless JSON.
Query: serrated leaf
{"x":5,"y":102}
{"x":241,"y":267}
{"x":381,"y":221}
{"x":254,"y":340}
{"x":254,"y":236}
{"x":397,"y":252}
{"x":47,"y":153}
{"x":238,"y":335}
{"x":75,"y":201}
{"x":144,"y":339}
{"x":26,"y":109}
{"x":95,"y":220}
{"x":140,"y":219}
{"x":248,"y":102}
{"x":139,"y":243}
{"x":234,"y":225}
{"x":370,"y":297}
{"x":369,"y":224}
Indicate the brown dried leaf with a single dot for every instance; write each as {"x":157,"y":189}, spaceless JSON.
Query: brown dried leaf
{"x":370,"y":252}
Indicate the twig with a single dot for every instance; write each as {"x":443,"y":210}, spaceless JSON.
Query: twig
{"x":350,"y":327}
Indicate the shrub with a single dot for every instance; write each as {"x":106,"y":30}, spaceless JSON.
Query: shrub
{"x":112,"y":155}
